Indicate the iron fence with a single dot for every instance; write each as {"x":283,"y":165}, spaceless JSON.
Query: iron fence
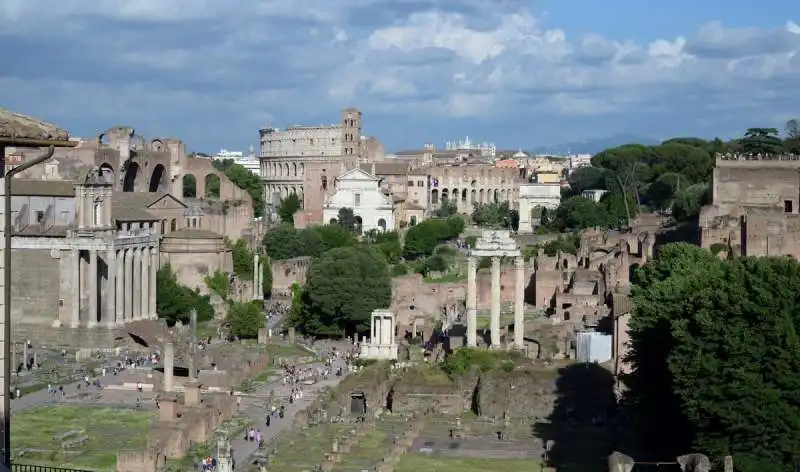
{"x":16,"y":467}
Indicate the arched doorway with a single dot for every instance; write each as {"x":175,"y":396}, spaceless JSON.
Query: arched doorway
{"x":382,"y":224}
{"x":189,"y":186}
{"x":131,"y":173}
{"x":158,"y":179}
{"x":359,"y":225}
{"x":212,"y":182}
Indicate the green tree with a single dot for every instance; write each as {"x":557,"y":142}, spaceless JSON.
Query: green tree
{"x":579,"y":213}
{"x":219,"y":283}
{"x":282,"y":242}
{"x":242,"y":257}
{"x":175,"y":301}
{"x":347,"y":219}
{"x":716,"y":356}
{"x":266,"y":284}
{"x":495,"y":215}
{"x":763,"y":141}
{"x":288,"y":207}
{"x":246,"y":319}
{"x":342,"y":289}
{"x":422,"y":239}
{"x":587,"y":178}
{"x":447,"y":209}
{"x":245,"y":180}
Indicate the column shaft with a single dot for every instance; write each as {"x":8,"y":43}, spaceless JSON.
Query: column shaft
{"x":169,"y":362}
{"x":120,"y":289}
{"x":519,"y":307}
{"x":494,"y":323}
{"x":76,"y":289}
{"x":137,"y":283}
{"x":92,"y":275}
{"x":472,"y":301}
{"x":128,"y":285}
{"x":144,"y":294}
{"x":110,"y":293}
{"x":153,"y":312}
{"x":255,"y":276}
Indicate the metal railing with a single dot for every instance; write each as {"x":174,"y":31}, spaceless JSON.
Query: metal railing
{"x":16,"y":467}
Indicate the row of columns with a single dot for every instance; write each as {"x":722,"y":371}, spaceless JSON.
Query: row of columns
{"x":494,"y":320}
{"x":128,"y":292}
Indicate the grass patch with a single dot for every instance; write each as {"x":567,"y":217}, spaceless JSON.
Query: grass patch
{"x":288,"y":350}
{"x":303,"y":449}
{"x":414,"y":462}
{"x":35,"y":435}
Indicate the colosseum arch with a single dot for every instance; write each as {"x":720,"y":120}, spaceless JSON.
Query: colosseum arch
{"x":131,"y":174}
{"x":158,"y":179}
{"x":212,"y":185}
{"x":294,"y":169}
{"x":189,"y":183}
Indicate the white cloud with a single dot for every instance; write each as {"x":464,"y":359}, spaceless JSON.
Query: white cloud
{"x":257,"y":60}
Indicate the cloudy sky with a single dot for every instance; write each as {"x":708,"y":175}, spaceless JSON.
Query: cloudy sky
{"x":519,"y":73}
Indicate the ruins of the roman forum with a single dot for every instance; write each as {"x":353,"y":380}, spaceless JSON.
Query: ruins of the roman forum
{"x":99,"y":375}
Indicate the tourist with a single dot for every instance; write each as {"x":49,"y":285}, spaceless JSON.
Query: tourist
{"x":269,"y":420}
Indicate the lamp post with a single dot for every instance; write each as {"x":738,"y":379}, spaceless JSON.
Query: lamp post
{"x":16,"y":130}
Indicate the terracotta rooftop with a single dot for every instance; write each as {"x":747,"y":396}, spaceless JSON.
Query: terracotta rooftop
{"x":132,"y":206}
{"x":19,"y":129}
{"x":42,"y":188}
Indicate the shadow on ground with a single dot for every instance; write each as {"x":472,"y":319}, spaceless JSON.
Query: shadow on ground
{"x":581,"y":430}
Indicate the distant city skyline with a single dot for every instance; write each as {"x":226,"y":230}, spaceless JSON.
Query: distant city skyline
{"x":513,"y":72}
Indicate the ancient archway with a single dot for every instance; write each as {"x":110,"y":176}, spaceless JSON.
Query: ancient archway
{"x":359,"y":225}
{"x":158,"y":179}
{"x":382,"y":224}
{"x":131,"y":173}
{"x":189,"y":186}
{"x":107,"y":171}
{"x":212,"y":182}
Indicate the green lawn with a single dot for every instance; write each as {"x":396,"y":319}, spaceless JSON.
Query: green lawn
{"x":35,"y":435}
{"x":414,"y":462}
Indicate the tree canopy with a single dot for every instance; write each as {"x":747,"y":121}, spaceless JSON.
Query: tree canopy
{"x":174,"y":301}
{"x":288,"y":207}
{"x":495,"y":215}
{"x":245,"y":180}
{"x":343,"y":287}
{"x":716,"y":356}
{"x":422,"y":239}
{"x":286,"y":242}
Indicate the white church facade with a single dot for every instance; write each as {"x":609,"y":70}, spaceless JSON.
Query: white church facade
{"x":361,"y":191}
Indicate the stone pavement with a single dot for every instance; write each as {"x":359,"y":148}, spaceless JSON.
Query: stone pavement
{"x":254,"y":407}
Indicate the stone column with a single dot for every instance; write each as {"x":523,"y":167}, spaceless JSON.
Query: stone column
{"x":260,"y":284}
{"x":76,"y":289}
{"x":255,"y":276}
{"x":494,"y":323}
{"x":109,"y":318}
{"x":128,"y":285}
{"x":120,"y":288}
{"x":386,"y":330}
{"x":137,"y":283}
{"x":519,"y":307}
{"x":92,"y":276}
{"x":144,"y":292}
{"x":169,"y":362}
{"x":153,"y":285}
{"x":472,"y":301}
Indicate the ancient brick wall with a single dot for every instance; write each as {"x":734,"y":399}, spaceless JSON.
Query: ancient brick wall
{"x":38,"y":282}
{"x":287,"y":273}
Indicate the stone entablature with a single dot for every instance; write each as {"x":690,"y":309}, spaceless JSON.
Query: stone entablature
{"x":756,"y":157}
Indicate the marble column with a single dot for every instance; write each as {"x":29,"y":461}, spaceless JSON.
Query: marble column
{"x":260,"y":285}
{"x":111,"y":289}
{"x":169,"y":362}
{"x":92,"y":276}
{"x":255,"y":276}
{"x":388,"y":330}
{"x":128,"y":285}
{"x":120,"y":286}
{"x":519,"y":307}
{"x":137,"y":283}
{"x":76,"y":289}
{"x":374,"y":331}
{"x":494,"y":323}
{"x":153,"y":286}
{"x":472,"y":301}
{"x":144,"y":292}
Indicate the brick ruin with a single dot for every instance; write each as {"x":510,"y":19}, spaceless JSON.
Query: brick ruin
{"x":755,"y":206}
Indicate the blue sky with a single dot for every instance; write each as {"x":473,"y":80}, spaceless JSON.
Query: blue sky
{"x":519,"y":73}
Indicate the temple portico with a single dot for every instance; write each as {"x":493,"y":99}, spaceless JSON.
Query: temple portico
{"x":381,"y":343}
{"x":495,"y":244}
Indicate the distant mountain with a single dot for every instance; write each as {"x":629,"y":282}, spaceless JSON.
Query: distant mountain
{"x":593,"y":146}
